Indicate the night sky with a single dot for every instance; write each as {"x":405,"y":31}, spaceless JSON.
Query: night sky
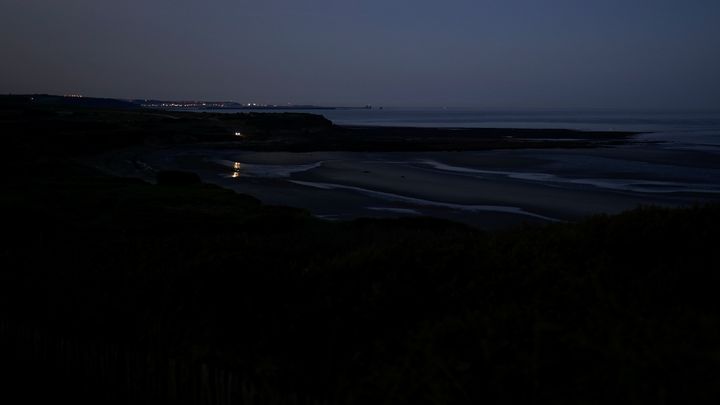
{"x":459,"y":53}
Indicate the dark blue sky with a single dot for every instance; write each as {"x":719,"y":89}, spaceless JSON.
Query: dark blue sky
{"x":479,"y":53}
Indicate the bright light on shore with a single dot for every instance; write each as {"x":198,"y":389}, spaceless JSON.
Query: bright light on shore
{"x":238,"y":133}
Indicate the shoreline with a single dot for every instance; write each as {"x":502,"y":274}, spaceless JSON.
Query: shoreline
{"x":117,"y":289}
{"x":359,"y":138}
{"x":508,"y":170}
{"x":487,"y":189}
{"x":74,"y":126}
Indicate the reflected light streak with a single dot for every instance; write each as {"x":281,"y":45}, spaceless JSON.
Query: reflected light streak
{"x":237,"y":166}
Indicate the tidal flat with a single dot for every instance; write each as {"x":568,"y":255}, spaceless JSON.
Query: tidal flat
{"x":488,"y":189}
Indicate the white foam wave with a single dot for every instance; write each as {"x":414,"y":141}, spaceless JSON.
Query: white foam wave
{"x":636,"y":185}
{"x":406,"y":211}
{"x":423,"y":202}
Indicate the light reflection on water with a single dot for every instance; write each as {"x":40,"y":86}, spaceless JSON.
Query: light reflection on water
{"x":237,"y":168}
{"x":240,"y":169}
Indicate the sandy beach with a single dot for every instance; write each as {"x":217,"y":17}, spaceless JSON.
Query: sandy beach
{"x":488,"y":189}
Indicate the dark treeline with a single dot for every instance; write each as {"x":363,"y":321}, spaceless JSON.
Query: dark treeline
{"x":118,"y":291}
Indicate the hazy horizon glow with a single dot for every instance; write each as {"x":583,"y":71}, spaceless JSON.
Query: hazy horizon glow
{"x":641,"y":54}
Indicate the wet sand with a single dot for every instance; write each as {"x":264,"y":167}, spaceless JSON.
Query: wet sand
{"x":488,"y":189}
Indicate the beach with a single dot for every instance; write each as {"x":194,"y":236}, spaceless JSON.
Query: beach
{"x":488,"y":189}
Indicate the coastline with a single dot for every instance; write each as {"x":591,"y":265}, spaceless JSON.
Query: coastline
{"x":488,"y":189}
{"x":153,"y":285}
{"x":357,"y":138}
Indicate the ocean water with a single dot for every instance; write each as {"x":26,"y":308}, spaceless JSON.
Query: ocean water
{"x":682,"y":128}
{"x":601,"y":120}
{"x":675,"y":161}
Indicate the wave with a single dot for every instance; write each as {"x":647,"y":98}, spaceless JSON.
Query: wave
{"x":640,"y":186}
{"x":423,"y":202}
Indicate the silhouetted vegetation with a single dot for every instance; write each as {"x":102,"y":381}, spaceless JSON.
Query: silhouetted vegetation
{"x":61,"y":126}
{"x":118,"y":291}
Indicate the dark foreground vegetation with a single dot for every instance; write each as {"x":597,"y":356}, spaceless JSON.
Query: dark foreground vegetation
{"x":114,"y":290}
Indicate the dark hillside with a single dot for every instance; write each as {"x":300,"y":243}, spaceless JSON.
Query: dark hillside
{"x":114,"y":290}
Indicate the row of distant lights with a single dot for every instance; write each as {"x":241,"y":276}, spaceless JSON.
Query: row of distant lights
{"x":191,"y":105}
{"x":74,"y":95}
{"x":147,"y":104}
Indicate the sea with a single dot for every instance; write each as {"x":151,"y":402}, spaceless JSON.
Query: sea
{"x":678,"y":126}
{"x":673,"y":161}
